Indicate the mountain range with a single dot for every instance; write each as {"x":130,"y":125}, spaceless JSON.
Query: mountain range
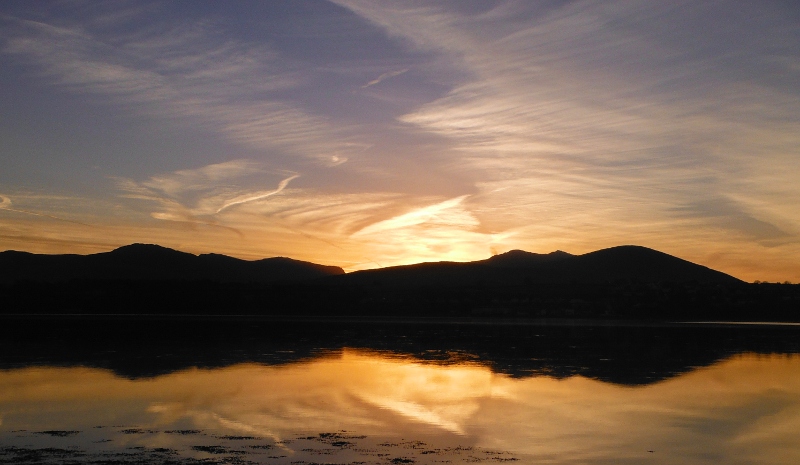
{"x":623,"y":263}
{"x":156,"y":263}
{"x":625,"y":282}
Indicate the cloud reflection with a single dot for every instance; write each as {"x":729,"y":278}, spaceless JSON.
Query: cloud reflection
{"x":745,"y":408}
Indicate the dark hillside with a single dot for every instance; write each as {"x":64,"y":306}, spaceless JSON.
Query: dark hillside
{"x":624,"y":263}
{"x":625,"y":282}
{"x":154,"y":263}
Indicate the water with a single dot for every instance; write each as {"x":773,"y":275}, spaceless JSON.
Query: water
{"x":258,"y":391}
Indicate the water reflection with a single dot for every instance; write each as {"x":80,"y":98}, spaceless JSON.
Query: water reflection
{"x":624,"y":353}
{"x":745,"y":409}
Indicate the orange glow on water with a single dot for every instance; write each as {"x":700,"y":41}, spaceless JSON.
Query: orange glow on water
{"x":747,"y":406}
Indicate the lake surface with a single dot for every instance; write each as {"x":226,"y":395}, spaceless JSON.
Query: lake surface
{"x":377,"y":392}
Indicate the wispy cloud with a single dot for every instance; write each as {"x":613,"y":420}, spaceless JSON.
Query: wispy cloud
{"x":725,"y":213}
{"x":189,"y":74}
{"x":580,"y":114}
{"x":196,"y":196}
{"x":384,"y":77}
{"x":6,"y":204}
{"x":447,"y":230}
{"x":436,"y":212}
{"x":257,"y":196}
{"x":203,"y":178}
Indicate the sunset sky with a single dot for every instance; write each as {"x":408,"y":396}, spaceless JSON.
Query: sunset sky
{"x":364,"y":134}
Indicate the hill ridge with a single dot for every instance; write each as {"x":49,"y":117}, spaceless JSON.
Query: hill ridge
{"x":625,"y":262}
{"x":140,"y":261}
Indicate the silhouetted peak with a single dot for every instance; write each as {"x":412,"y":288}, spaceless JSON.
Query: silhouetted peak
{"x":290,"y":263}
{"x":520,"y":258}
{"x":629,"y":247}
{"x":560,"y":254}
{"x":631,"y":252}
{"x":623,"y":263}
{"x":515,"y":253}
{"x":15,"y":253}
{"x":279,"y":259}
{"x":155,"y":262}
{"x":146,"y":249}
{"x":139,"y":246}
{"x":643,"y":263}
{"x":218,"y":258}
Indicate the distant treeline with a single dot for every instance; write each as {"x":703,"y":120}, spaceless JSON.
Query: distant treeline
{"x":690,"y":301}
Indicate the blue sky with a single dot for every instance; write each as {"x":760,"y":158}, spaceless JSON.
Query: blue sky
{"x":365,"y":134}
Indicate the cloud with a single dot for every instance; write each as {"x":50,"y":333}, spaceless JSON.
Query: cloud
{"x":257,"y":196}
{"x":189,"y":74}
{"x":384,"y":77}
{"x":725,"y":213}
{"x":587,"y":81}
{"x":418,"y":216}
{"x":202,"y":178}
{"x":5,"y":204}
{"x":596,"y":114}
{"x":180,"y":215}
{"x":195,"y":196}
{"x":446,"y":230}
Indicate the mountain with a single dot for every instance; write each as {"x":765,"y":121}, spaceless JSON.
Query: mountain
{"x":627,"y":282}
{"x":153,"y":262}
{"x":623,"y":263}
{"x":521,"y":259}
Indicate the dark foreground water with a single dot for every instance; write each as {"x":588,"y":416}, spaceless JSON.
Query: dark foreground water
{"x":116,"y":390}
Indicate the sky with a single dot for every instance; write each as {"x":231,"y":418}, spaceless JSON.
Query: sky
{"x":368,"y":134}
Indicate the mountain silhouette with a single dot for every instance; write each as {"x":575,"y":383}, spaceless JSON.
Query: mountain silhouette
{"x":623,"y":263}
{"x":521,"y":258}
{"x":153,"y":262}
{"x":626,"y":282}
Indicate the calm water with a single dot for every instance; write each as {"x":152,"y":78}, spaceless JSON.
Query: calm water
{"x":399,"y":392}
